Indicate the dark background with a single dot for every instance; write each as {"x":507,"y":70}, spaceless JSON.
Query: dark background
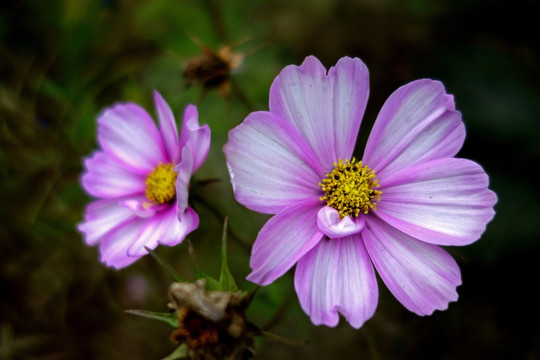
{"x":62,"y":62}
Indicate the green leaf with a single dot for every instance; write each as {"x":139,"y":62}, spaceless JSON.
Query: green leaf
{"x":179,"y":353}
{"x":226,"y":279}
{"x":168,"y":317}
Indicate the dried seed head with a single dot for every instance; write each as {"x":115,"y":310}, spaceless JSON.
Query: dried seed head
{"x":212,"y":324}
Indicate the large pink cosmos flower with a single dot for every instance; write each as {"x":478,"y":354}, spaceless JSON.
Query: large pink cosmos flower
{"x":141,"y":177}
{"x":335,"y":216}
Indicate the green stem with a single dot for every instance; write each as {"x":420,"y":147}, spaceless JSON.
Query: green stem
{"x":221,"y":219}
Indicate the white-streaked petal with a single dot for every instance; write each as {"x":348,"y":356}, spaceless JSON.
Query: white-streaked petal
{"x":167,"y":129}
{"x":423,"y":277}
{"x":129,"y":135}
{"x":337,"y":276}
{"x":326,"y":109}
{"x":417,"y":123}
{"x":284,"y":239}
{"x":106,"y":178}
{"x":101,"y":217}
{"x":270,"y":165}
{"x":331,"y":225}
{"x":444,"y":202}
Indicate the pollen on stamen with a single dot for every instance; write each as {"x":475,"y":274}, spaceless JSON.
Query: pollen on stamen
{"x":350,"y":188}
{"x":161,"y":184}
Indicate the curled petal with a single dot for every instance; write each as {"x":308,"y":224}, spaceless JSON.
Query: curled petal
{"x":168,"y":129}
{"x":184,"y":170}
{"x":417,"y":123}
{"x":129,"y":135}
{"x":196,"y":137}
{"x":444,"y":202}
{"x":326,"y":109}
{"x":331,"y":225}
{"x":165,"y":228}
{"x":337,"y":276}
{"x":423,"y":277}
{"x":284,"y":239}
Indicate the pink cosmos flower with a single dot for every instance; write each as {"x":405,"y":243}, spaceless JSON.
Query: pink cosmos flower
{"x":337,"y":218}
{"x":141,"y":177}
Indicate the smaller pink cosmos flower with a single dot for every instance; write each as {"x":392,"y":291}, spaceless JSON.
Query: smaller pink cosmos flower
{"x":141,"y":177}
{"x":337,"y":219}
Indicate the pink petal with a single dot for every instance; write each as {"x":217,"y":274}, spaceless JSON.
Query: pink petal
{"x":270,"y":165}
{"x":164,"y":228}
{"x":326,"y":109}
{"x":331,"y":225}
{"x":196,"y":137}
{"x":106,"y":178}
{"x":115,"y":245}
{"x":444,"y":202}
{"x":128,"y":134}
{"x":417,"y":123}
{"x":283,"y":240}
{"x":337,"y":276}
{"x":101,"y":217}
{"x":168,"y":130}
{"x":423,"y":277}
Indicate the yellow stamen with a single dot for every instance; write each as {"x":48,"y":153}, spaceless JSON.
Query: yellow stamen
{"x":160,"y":184}
{"x":350,"y":188}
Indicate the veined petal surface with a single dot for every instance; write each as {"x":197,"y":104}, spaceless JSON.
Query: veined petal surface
{"x":101,"y":217}
{"x":106,"y":178}
{"x":417,"y":123}
{"x":326,"y":109}
{"x":444,"y":202}
{"x":422,"y":276}
{"x":115,"y":244}
{"x":128,"y":134}
{"x":284,"y":239}
{"x":337,"y":276}
{"x":270,"y":165}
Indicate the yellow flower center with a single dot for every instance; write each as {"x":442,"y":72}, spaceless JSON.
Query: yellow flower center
{"x":160,"y":184}
{"x":350,"y":188}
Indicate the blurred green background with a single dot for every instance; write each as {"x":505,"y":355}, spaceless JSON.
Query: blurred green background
{"x":62,"y":62}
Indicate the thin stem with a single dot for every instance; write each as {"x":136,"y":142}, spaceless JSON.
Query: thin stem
{"x":221,"y":218}
{"x":216,"y":18}
{"x":279,"y":313}
{"x":282,"y":339}
{"x":165,"y":264}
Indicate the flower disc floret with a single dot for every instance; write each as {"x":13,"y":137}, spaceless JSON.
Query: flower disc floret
{"x":160,"y":184}
{"x":350,"y":188}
